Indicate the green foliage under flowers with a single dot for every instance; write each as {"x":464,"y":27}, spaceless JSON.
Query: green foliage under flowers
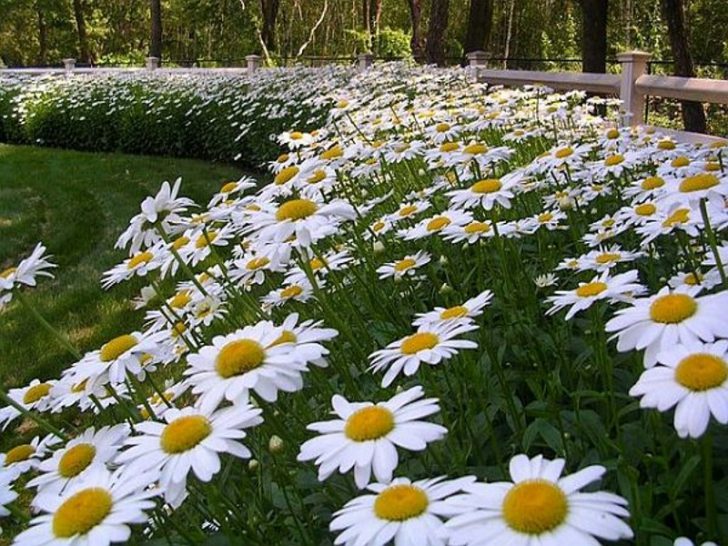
{"x":224,"y":117}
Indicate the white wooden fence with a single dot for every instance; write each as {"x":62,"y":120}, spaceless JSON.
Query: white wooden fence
{"x":631,"y":86}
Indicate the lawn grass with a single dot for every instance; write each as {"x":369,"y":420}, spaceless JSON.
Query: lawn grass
{"x":77,"y":204}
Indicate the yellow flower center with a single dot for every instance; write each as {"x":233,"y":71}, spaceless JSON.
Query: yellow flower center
{"x":286,"y":175}
{"x":545,"y":217}
{"x":296,"y":135}
{"x":608,"y":257}
{"x":239,"y":357}
{"x":205,"y":239}
{"x":286,"y":337}
{"x":475,"y":149}
{"x":179,"y":242}
{"x":701,"y":372}
{"x":80,"y":387}
{"x":117,"y":347}
{"x":476,"y":227}
{"x":139,"y":259}
{"x":490,"y":185}
{"x":370,"y":423}
{"x":407,"y":210}
{"x":680,"y":161}
{"x":458,"y":311}
{"x":36,"y":392}
{"x":291,"y":291}
{"x":229,"y":187}
{"x":712,"y":166}
{"x":82,"y":512}
{"x":184,"y":433}
{"x":76,"y":459}
{"x":333,"y":153}
{"x":317,"y":176}
{"x":18,"y":454}
{"x":296,"y":209}
{"x":680,"y":216}
{"x":282,"y":158}
{"x":562,"y":153}
{"x":419,"y":342}
{"x":436,"y":224}
{"x":652,"y":183}
{"x":9,"y":271}
{"x":178,"y":329}
{"x":535,"y":507}
{"x":698,"y":182}
{"x":257,"y":263}
{"x":378,"y":226}
{"x":645,"y":209}
{"x":342,"y":104}
{"x":180,"y":299}
{"x":613,"y":160}
{"x":666,"y":145}
{"x":673,"y":308}
{"x":448,"y":147}
{"x":442,"y":127}
{"x":400,"y":503}
{"x":692,"y":280}
{"x":404,"y":265}
{"x":591,"y":289}
{"x":612,"y":134}
{"x":316,"y":263}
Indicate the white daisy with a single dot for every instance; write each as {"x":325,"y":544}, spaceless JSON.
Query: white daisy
{"x":7,"y":495}
{"x":406,"y":267}
{"x":682,"y":541}
{"x":659,"y":322}
{"x":693,"y":378}
{"x":465,"y":312}
{"x":605,"y":258}
{"x":486,"y":193}
{"x":191,"y":439}
{"x":27,"y":270}
{"x":431,"y":344}
{"x":538,"y":508}
{"x":435,"y":224}
{"x":402,"y":513}
{"x":94,"y":512}
{"x":35,"y":396}
{"x":365,"y":436}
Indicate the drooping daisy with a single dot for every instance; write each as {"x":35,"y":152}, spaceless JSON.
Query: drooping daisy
{"x":693,"y":378}
{"x":538,"y":508}
{"x":191,"y":439}
{"x":94,"y":512}
{"x":622,"y":287}
{"x":35,"y":265}
{"x":431,"y":344}
{"x":465,"y":312}
{"x":79,"y":456}
{"x":659,"y":322}
{"x":405,"y":267}
{"x":401,"y":513}
{"x":247,"y":359}
{"x":365,"y":436}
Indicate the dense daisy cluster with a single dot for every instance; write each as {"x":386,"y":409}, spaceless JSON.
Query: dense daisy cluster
{"x":436,"y":326}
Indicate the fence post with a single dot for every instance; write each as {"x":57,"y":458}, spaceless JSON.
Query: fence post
{"x":634,"y":65}
{"x":365,"y":60}
{"x":152,"y":63}
{"x":253,"y":63}
{"x":476,"y":60}
{"x":69,"y":65}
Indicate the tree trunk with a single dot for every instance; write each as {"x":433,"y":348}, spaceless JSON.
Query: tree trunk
{"x":480,"y":22}
{"x":85,"y":54}
{"x":269,"y":9}
{"x":42,"y":37}
{"x":692,"y":112}
{"x":435,"y":46}
{"x":418,"y":50}
{"x":155,"y":46}
{"x":594,"y":35}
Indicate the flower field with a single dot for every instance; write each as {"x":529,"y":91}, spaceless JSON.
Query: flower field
{"x":457,"y":316}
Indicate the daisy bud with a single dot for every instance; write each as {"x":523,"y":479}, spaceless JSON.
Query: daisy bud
{"x":566,"y":203}
{"x":421,"y":172}
{"x":253,"y":465}
{"x":443,"y":260}
{"x":378,"y":247}
{"x":275,"y":444}
{"x":445,"y":289}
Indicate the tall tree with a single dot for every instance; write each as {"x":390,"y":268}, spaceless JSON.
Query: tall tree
{"x":42,"y":34}
{"x":417,"y":45}
{"x":674,"y":12}
{"x":155,"y":45}
{"x":435,"y":45}
{"x":269,"y":9}
{"x":480,"y":23}
{"x":83,"y":48}
{"x":594,"y":35}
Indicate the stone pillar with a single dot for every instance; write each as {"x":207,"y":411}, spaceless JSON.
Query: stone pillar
{"x":476,"y":61}
{"x":365,"y":61}
{"x":634,"y":65}
{"x":152,"y":63}
{"x":69,"y":65}
{"x":253,"y":62}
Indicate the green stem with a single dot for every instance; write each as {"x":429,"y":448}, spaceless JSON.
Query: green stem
{"x":63,"y":340}
{"x":30,"y":415}
{"x":710,"y":506}
{"x":713,"y":242}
